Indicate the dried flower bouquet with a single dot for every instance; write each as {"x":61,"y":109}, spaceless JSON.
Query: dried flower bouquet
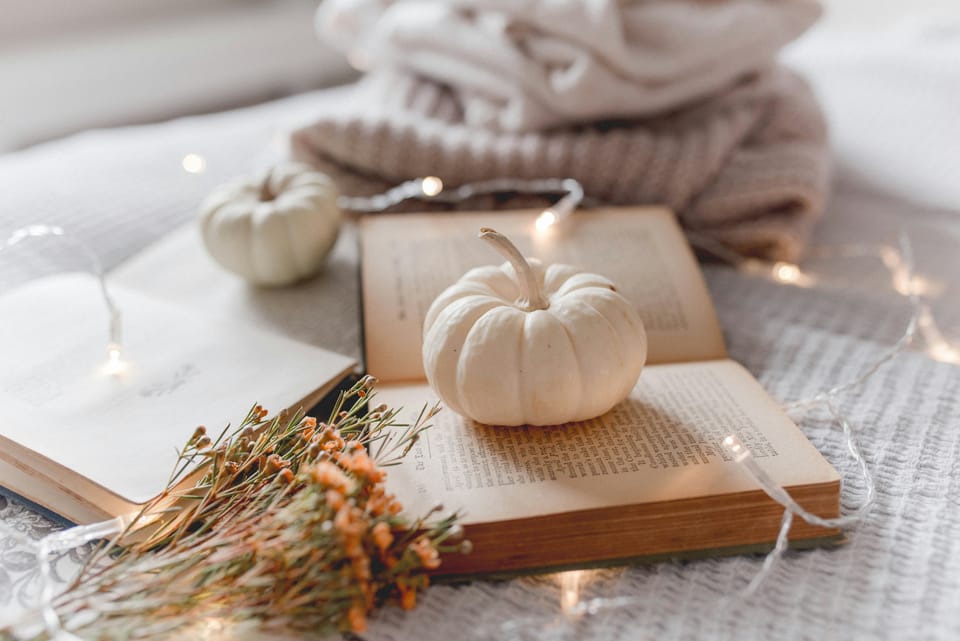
{"x":287,"y":524}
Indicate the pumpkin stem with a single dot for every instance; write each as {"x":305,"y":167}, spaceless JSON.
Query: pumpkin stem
{"x":533,"y":297}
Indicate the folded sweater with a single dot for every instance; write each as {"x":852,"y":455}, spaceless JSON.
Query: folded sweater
{"x":742,"y":159}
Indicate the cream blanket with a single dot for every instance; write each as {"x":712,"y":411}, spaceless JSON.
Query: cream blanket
{"x":676,"y":102}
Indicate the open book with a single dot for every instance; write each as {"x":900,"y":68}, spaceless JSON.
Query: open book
{"x":647,"y":479}
{"x":89,"y":444}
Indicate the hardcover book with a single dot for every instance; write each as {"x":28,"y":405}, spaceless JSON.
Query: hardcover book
{"x":88,"y":443}
{"x":646,"y":480}
{"x":650,"y":478}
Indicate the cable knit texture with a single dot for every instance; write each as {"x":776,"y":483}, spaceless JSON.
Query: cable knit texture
{"x":745,"y":162}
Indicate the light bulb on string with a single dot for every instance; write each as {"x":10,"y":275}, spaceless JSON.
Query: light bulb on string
{"x":571,"y":583}
{"x":114,"y":365}
{"x":904,"y":281}
{"x":546,"y":220}
{"x":194,"y":164}
{"x":433,"y":188}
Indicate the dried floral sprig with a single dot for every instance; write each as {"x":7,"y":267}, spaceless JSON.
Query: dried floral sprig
{"x":284,"y":522}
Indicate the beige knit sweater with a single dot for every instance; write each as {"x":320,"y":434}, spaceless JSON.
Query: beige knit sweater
{"x":744,"y":161}
{"x":748,"y":167}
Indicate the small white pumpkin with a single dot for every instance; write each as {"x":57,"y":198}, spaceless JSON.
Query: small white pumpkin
{"x":522,"y":344}
{"x":273,"y":230}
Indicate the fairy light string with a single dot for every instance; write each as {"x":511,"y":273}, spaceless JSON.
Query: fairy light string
{"x":68,"y":539}
{"x":115,"y":363}
{"x":432,"y":189}
{"x":902,"y":271}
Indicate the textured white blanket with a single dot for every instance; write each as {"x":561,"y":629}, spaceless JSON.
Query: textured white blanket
{"x":897,"y":578}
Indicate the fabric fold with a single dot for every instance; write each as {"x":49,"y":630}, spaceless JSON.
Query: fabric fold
{"x":742,"y":159}
{"x":749,"y":167}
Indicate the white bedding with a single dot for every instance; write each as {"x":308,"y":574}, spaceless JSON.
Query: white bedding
{"x":898,"y":150}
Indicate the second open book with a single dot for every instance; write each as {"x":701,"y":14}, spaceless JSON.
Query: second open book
{"x":648,"y":478}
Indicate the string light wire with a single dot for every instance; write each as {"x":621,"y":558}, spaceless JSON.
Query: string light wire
{"x":828,"y":399}
{"x":431,"y":188}
{"x":901,"y":267}
{"x":115,"y":323}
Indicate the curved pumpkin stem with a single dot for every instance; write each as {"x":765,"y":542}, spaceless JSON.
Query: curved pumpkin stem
{"x":533,"y":297}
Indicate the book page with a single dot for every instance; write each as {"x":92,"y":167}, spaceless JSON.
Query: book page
{"x":321,"y":311}
{"x":408,"y":259}
{"x":663,"y":443}
{"x":183,"y":370}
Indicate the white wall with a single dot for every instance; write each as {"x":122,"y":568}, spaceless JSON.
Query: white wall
{"x":68,"y":65}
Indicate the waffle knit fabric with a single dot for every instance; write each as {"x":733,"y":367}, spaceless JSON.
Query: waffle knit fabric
{"x":745,"y":163}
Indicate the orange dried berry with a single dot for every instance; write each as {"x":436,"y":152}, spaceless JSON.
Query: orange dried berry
{"x":329,"y":475}
{"x":286,"y":475}
{"x":376,"y":505}
{"x":362,"y":465}
{"x":334,"y":499}
{"x":361,"y":567}
{"x":357,"y":618}
{"x":428,"y":555}
{"x":275,"y":463}
{"x":352,"y":548}
{"x":382,"y":537}
{"x":408,"y":598}
{"x":343,"y":519}
{"x":309,"y":422}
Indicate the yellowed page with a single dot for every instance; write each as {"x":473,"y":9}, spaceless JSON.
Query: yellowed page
{"x":663,"y":443}
{"x":120,"y":432}
{"x":408,"y":259}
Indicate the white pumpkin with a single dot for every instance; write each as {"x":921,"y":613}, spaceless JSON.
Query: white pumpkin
{"x":523,"y":344}
{"x":274,"y":230}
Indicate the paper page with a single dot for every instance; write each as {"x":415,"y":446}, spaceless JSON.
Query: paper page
{"x":661,"y":444}
{"x":322,"y":311}
{"x":408,"y":259}
{"x":184,"y":370}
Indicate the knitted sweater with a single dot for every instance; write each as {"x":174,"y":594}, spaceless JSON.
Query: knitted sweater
{"x":745,"y":163}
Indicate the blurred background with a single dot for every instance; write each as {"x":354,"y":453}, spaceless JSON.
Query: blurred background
{"x":66,"y":66}
{"x":70,"y":65}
